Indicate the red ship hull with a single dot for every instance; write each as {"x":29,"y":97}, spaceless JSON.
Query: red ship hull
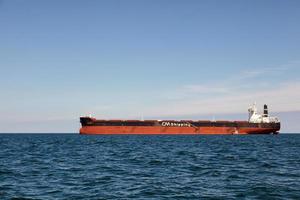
{"x":169,"y":127}
{"x":172,"y":130}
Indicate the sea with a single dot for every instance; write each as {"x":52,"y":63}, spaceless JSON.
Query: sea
{"x":73,"y":166}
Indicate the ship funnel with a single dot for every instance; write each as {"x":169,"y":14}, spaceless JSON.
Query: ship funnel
{"x":265,"y":111}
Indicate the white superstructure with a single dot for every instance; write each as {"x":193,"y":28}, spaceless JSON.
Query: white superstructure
{"x":255,"y":117}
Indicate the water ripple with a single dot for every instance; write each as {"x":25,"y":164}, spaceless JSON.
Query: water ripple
{"x":62,"y":166}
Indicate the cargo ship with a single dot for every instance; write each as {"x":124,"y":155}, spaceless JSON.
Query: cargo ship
{"x":256,"y":124}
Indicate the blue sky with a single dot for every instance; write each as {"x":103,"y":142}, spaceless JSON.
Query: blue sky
{"x":157,"y":59}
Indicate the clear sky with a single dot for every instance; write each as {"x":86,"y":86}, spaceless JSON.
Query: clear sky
{"x":152,"y":59}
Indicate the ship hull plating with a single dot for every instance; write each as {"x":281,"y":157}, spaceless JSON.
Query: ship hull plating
{"x":172,"y":130}
{"x":169,"y":127}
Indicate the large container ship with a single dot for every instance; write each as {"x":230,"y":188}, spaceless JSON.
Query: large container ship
{"x":256,"y":124}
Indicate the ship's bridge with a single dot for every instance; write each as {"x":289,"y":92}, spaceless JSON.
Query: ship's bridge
{"x":255,"y":117}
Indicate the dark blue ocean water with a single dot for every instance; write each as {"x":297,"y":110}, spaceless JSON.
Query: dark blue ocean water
{"x":71,"y":166}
